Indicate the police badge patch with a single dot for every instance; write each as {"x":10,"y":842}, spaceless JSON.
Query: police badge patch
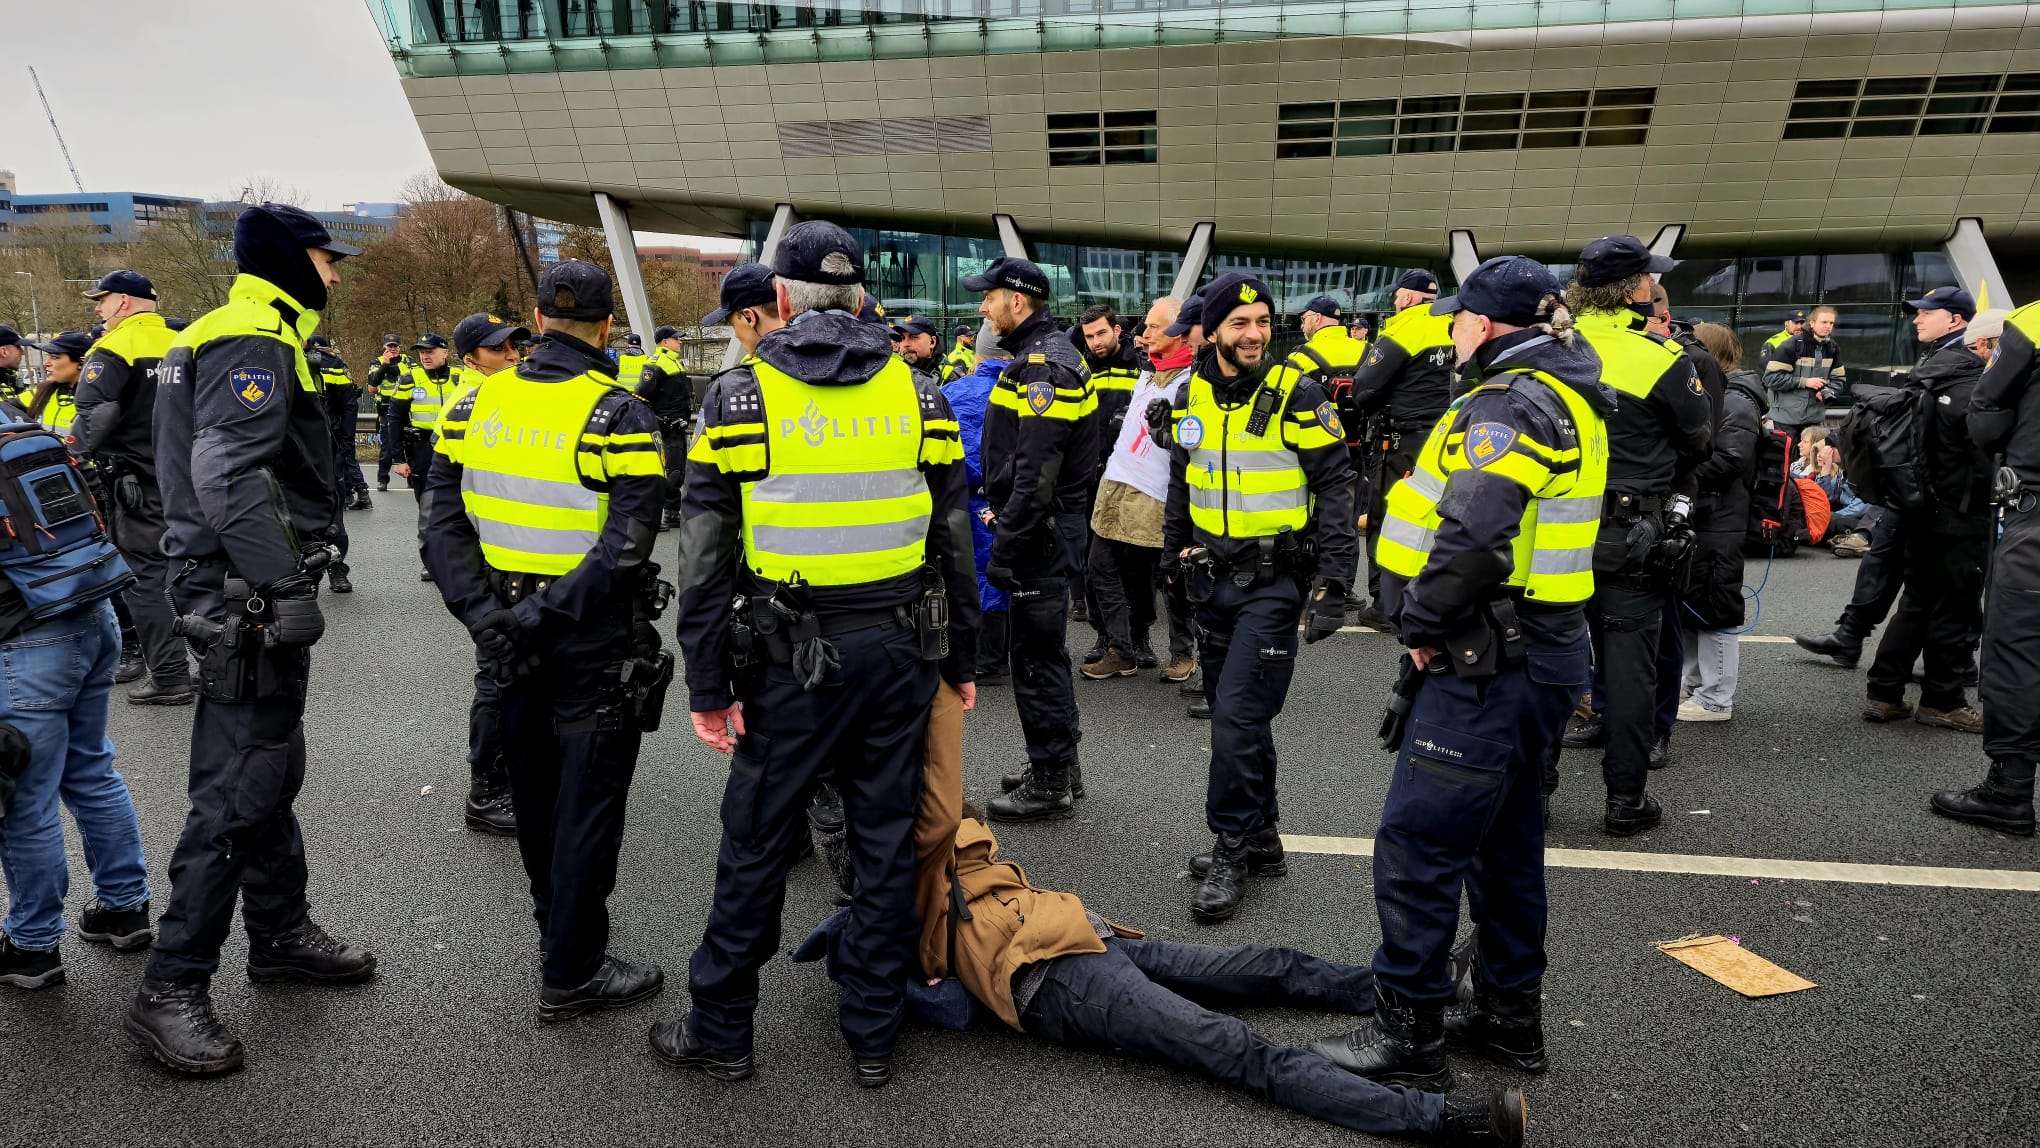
{"x":252,"y":386}
{"x":1190,"y":432}
{"x":1040,"y":397}
{"x":1486,"y":442}
{"x":1329,"y":418}
{"x":1697,"y":388}
{"x":93,"y":370}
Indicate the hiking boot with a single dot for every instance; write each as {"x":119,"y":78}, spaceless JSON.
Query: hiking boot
{"x":1225,"y":879}
{"x":1045,"y":796}
{"x":1264,"y":855}
{"x":1961,"y":719}
{"x":2003,"y":802}
{"x":1584,"y":732}
{"x":131,"y":666}
{"x":492,"y":811}
{"x":617,"y":984}
{"x":125,"y":929}
{"x":1854,"y":544}
{"x":1499,"y":1118}
{"x":1404,"y":1044}
{"x":176,"y":1024}
{"x":309,"y":953}
{"x":340,"y":582}
{"x":1882,"y":711}
{"x":1113,"y":665}
{"x":1179,"y":669}
{"x":1844,"y":650}
{"x":1012,"y":781}
{"x":30,"y":969}
{"x":155,"y":693}
{"x":1200,"y":708}
{"x":1505,"y":1028}
{"x":673,"y":1043}
{"x":1659,"y":755}
{"x":1631,"y":813}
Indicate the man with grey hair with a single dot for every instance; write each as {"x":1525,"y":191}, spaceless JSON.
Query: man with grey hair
{"x":826,"y":498}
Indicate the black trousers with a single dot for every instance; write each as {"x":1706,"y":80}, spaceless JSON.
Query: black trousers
{"x":674,"y":438}
{"x":570,"y":786}
{"x":391,"y":449}
{"x":418,"y":452}
{"x":138,"y":531}
{"x":1937,"y":618}
{"x":1123,"y":583}
{"x":1879,"y":576}
{"x":865,"y":729}
{"x":1248,"y":650}
{"x":341,"y":407}
{"x":2010,"y":662}
{"x":1626,"y":616}
{"x":241,"y":837}
{"x":487,"y":770}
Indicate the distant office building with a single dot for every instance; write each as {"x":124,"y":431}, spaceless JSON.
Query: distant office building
{"x":107,"y":215}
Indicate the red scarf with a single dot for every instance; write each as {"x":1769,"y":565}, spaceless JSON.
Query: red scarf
{"x":1175,"y":360}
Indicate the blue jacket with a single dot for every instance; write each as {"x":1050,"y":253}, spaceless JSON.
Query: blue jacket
{"x":968,"y":397}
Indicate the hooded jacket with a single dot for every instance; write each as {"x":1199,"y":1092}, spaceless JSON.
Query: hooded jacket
{"x":1721,"y":513}
{"x":968,"y":396}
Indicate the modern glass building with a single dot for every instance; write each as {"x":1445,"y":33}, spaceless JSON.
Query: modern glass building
{"x":1797,"y":142}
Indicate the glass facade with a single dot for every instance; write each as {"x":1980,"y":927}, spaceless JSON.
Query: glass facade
{"x":1755,"y":293}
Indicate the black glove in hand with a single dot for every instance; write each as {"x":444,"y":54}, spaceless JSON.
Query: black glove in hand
{"x":1642,"y":537}
{"x":1001,"y":576}
{"x":1160,"y":417}
{"x":498,"y":636}
{"x":1327,"y":612}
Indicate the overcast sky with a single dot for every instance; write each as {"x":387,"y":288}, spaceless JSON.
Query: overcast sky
{"x":198,"y":98}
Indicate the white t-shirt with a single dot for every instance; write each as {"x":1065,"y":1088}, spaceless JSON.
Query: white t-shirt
{"x":1136,"y":460}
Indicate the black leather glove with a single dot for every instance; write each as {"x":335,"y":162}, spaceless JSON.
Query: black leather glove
{"x":1641,"y":538}
{"x":1327,"y":611}
{"x":1001,"y":576}
{"x":1160,"y":417}
{"x":295,"y":618}
{"x":498,"y":636}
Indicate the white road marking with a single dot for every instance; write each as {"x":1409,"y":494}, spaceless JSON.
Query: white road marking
{"x":2010,"y":880}
{"x":1760,"y":639}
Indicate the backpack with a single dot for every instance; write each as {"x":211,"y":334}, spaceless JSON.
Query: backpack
{"x":1775,"y":512}
{"x":1819,"y":513}
{"x":1884,"y":448}
{"x":1339,"y":383}
{"x":55,"y":551}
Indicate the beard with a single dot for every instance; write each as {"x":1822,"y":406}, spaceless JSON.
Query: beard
{"x":1231,"y":353}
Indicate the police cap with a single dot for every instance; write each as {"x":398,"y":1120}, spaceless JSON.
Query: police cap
{"x":314,"y":341}
{"x":1191,"y":315}
{"x":1230,"y":292}
{"x":1508,"y":289}
{"x":1796,"y":317}
{"x":390,"y":340}
{"x":577,"y":290}
{"x":123,"y":283}
{"x":72,"y":343}
{"x":429,"y":342}
{"x":747,"y":285}
{"x":1324,"y":305}
{"x":485,"y":330}
{"x":9,"y":337}
{"x":809,"y":253}
{"x":665,"y":333}
{"x":1417,"y":280}
{"x":1620,"y":257}
{"x":920,"y":325}
{"x":1953,"y":299}
{"x":634,"y":340}
{"x":871,"y":312}
{"x":1012,"y":274}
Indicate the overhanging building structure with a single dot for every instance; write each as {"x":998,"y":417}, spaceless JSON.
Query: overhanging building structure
{"x":1793,"y":152}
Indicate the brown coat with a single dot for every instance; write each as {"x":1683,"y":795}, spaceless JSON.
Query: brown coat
{"x":1011,"y":922}
{"x":1126,"y":513}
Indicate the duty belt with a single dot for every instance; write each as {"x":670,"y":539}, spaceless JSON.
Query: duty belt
{"x":1627,"y":506}
{"x":510,"y":585}
{"x":777,"y":638}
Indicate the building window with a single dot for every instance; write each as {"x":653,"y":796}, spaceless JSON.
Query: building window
{"x":59,"y":208}
{"x":1482,"y":121}
{"x":1902,"y":106}
{"x":1088,"y":139}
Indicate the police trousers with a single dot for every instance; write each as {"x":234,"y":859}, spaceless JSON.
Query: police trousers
{"x":138,"y":531}
{"x":2009,"y":667}
{"x":1465,"y":809}
{"x":1248,"y":651}
{"x":1038,"y":622}
{"x":570,"y":785}
{"x":1149,"y":998}
{"x":865,"y":729}
{"x":1627,"y":615}
{"x":1937,"y":617}
{"x":389,"y":446}
{"x":241,"y":836}
{"x":486,"y":768}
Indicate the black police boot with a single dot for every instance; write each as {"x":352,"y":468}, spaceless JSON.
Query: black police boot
{"x":490,"y":808}
{"x":30,"y":968}
{"x":1200,"y":708}
{"x":362,"y":501}
{"x":125,"y":929}
{"x":1192,"y":687}
{"x":340,"y":582}
{"x":1499,"y":1118}
{"x":1631,"y":813}
{"x":1507,"y":1028}
{"x":617,"y":984}
{"x":383,"y":485}
{"x":1844,"y":649}
{"x":1404,"y":1044}
{"x":674,"y":1043}
{"x":1264,"y":855}
{"x":176,"y":1024}
{"x":1371,"y":617}
{"x":131,"y":666}
{"x":1660,"y":754}
{"x":1584,"y":732}
{"x":2003,"y":802}
{"x":874,"y":1071}
{"x":1045,"y":796}
{"x":309,"y":953}
{"x":1014,"y":780}
{"x":154,"y":693}
{"x":1225,"y":880}
{"x":1096,"y":653}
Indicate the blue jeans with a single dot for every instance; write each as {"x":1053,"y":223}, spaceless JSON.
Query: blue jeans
{"x":55,"y":681}
{"x":1143,"y":996}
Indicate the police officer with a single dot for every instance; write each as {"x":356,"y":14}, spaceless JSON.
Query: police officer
{"x":920,"y":346}
{"x":53,"y":402}
{"x":1487,"y":564}
{"x":116,"y":403}
{"x":631,"y":360}
{"x":10,"y":364}
{"x":664,"y":384}
{"x":415,"y":407}
{"x":390,"y":373}
{"x":826,"y":493}
{"x":962,"y":357}
{"x":1795,"y":323}
{"x":2004,"y":421}
{"x":1260,"y":510}
{"x":1332,"y":354}
{"x":1040,"y":450}
{"x":539,"y":515}
{"x":1403,"y":385}
{"x":337,"y":394}
{"x":246,"y":466}
{"x":1662,"y":429}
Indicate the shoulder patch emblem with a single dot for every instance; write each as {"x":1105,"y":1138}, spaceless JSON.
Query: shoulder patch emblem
{"x":1190,"y":432}
{"x":94,"y":369}
{"x":1374,"y":357}
{"x":252,"y":386}
{"x":1486,"y":442}
{"x":1694,"y":383}
{"x":1328,"y":418}
{"x":1040,"y":397}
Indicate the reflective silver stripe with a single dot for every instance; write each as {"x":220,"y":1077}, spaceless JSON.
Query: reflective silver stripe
{"x":1425,"y":483}
{"x":1207,"y":498}
{"x":1573,"y":560}
{"x":535,"y":491}
{"x":1407,"y":534}
{"x":534,"y":539}
{"x":840,"y":540}
{"x":864,"y":487}
{"x":1246,"y":460}
{"x":1566,"y":511}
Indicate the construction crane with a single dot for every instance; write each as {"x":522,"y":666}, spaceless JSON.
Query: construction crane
{"x":61,"y":145}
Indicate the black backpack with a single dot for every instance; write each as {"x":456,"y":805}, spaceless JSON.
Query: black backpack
{"x":1884,"y":448}
{"x":1777,"y":519}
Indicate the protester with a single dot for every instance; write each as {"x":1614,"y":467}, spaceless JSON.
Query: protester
{"x":1712,"y":599}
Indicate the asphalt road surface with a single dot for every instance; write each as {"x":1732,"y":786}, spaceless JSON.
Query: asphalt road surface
{"x":1920,"y":1032}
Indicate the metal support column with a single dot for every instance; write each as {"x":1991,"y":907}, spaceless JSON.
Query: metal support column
{"x":1195,"y":256}
{"x":1461,"y":253}
{"x":1974,"y":265}
{"x":783,"y":217}
{"x":630,"y":279}
{"x":1009,"y":238}
{"x":1666,"y":241}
